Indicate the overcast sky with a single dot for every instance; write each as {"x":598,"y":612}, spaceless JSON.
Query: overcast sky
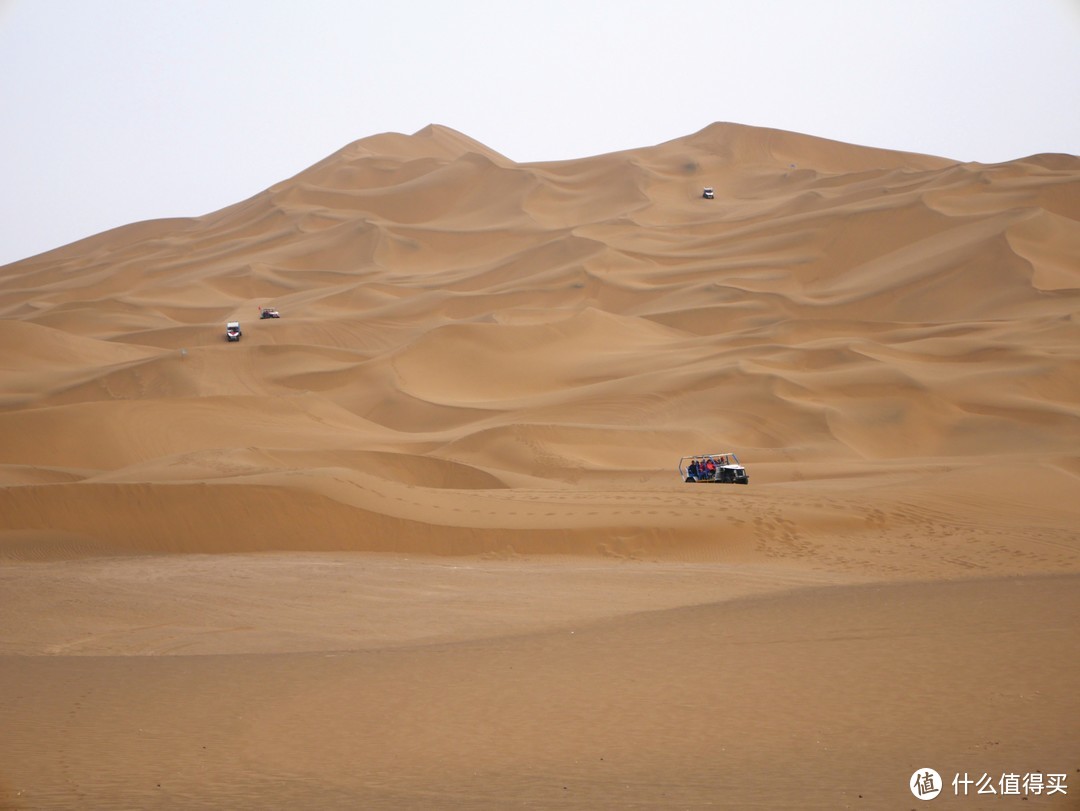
{"x":115,"y":111}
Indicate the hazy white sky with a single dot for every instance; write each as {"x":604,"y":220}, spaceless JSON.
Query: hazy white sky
{"x":115,"y":111}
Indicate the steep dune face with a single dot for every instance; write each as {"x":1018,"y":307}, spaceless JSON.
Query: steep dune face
{"x":454,"y":321}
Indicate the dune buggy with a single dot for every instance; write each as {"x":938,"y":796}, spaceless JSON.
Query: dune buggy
{"x":719,"y":468}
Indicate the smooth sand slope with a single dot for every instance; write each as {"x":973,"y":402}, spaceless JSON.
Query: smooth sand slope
{"x":421,"y":541}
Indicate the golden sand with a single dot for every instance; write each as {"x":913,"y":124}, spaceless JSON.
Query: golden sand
{"x":422,"y":541}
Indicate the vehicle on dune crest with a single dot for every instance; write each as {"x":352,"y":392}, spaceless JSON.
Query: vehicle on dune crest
{"x":268,"y":312}
{"x":716,"y":468}
{"x":232,"y":331}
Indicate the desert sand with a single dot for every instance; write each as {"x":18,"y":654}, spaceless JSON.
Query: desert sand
{"x":423,"y":541}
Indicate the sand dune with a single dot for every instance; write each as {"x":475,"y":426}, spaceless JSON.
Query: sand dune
{"x":460,"y":443}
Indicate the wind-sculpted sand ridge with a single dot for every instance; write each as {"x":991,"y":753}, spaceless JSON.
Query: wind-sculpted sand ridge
{"x":423,"y":539}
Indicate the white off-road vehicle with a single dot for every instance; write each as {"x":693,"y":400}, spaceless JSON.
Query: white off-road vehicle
{"x":717,"y":468}
{"x":232,"y":331}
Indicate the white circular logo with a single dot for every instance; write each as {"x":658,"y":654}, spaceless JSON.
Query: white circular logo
{"x":925,"y":784}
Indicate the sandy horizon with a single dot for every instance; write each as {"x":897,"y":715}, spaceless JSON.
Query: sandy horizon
{"x":422,"y":541}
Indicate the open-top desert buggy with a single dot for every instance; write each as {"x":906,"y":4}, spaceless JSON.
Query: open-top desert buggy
{"x":232,"y":331}
{"x":268,"y":312}
{"x":717,"y":468}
